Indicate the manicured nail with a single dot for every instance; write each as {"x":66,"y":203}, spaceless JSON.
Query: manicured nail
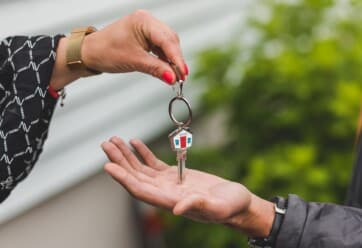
{"x":183,"y":77}
{"x":186,"y":69}
{"x":168,"y":77}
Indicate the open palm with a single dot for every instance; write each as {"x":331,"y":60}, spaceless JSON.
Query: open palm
{"x":201,"y":196}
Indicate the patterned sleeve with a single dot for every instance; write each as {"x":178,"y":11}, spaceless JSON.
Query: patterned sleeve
{"x":26,"y":107}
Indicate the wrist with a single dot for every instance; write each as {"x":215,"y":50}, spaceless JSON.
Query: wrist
{"x":87,"y":51}
{"x":62,"y":75}
{"x":280,"y":208}
{"x":257,"y":220}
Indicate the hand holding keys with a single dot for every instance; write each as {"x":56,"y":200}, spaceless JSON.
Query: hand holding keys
{"x":181,"y":137}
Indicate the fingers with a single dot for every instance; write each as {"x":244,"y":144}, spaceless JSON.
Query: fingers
{"x":115,"y":155}
{"x":168,"y":42}
{"x":169,"y":49}
{"x":128,"y":154}
{"x":147,"y":155}
{"x":120,"y":175}
{"x":156,"y":67}
{"x":131,"y":158}
{"x":132,"y":184}
{"x":159,"y":53}
{"x":165,"y":40}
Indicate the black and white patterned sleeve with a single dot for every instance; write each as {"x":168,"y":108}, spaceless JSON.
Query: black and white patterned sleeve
{"x":26,"y":106}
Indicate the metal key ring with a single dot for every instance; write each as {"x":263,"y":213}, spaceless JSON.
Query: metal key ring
{"x":176,"y":122}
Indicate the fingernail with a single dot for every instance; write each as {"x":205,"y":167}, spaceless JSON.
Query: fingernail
{"x":183,"y":77}
{"x":186,"y":69}
{"x":168,"y":77}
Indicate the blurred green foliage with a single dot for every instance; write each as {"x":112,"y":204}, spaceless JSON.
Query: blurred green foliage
{"x":293,"y":98}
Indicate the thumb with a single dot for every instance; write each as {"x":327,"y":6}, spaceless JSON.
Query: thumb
{"x":192,"y":202}
{"x":156,"y":67}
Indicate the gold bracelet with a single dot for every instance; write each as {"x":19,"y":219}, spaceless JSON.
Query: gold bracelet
{"x":73,"y":53}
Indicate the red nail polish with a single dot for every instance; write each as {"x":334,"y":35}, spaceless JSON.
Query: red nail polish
{"x":186,"y":69}
{"x":167,"y":77}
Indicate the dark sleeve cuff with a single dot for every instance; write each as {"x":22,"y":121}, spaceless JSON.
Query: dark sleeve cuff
{"x":320,"y":225}
{"x":291,"y":230}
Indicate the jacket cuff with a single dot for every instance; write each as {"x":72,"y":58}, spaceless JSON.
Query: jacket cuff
{"x":294,"y":220}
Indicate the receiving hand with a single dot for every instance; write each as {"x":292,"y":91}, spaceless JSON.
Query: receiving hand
{"x":201,"y":196}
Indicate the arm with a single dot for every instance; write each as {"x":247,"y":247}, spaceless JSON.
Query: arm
{"x":25,"y":106}
{"x":201,"y":197}
{"x":29,"y":65}
{"x":207,"y":198}
{"x":309,"y":224}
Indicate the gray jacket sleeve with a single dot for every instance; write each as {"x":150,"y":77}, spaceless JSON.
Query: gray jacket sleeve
{"x":320,"y":225}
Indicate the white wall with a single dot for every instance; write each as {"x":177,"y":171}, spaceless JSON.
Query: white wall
{"x":96,"y":213}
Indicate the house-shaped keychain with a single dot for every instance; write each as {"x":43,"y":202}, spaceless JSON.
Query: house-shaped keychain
{"x":180,"y":139}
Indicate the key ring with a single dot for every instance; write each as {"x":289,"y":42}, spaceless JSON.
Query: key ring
{"x":174,"y":120}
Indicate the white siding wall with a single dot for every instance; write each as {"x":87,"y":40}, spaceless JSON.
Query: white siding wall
{"x":94,"y":214}
{"x":128,"y":105}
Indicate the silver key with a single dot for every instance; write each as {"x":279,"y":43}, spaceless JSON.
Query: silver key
{"x":180,"y":141}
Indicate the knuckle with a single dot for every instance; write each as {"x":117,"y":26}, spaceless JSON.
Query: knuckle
{"x":167,"y":42}
{"x":176,"y":37}
{"x":153,"y":69}
{"x":150,"y":68}
{"x":141,"y":13}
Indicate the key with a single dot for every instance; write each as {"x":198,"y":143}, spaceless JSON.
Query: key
{"x":180,"y":141}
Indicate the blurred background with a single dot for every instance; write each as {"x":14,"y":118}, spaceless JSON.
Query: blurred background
{"x":276,"y":88}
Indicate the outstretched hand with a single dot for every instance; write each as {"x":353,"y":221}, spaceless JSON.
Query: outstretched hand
{"x":201,"y":196}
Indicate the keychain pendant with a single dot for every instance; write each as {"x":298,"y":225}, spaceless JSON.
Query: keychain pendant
{"x":180,"y":139}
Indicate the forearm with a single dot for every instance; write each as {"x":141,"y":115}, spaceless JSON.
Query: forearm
{"x":26,"y":111}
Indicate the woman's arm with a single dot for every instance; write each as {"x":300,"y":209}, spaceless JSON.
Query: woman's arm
{"x":26,"y":107}
{"x":29,"y":65}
